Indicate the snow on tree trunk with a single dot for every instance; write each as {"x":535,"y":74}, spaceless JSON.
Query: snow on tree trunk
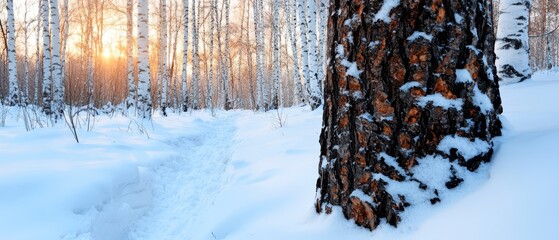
{"x":512,"y":47}
{"x":47,"y":74}
{"x":58,"y":85}
{"x":276,"y":77}
{"x":13,"y":97}
{"x":411,"y":104}
{"x":162,"y":73}
{"x":144,"y":97}
{"x":314,"y":89}
{"x":129,"y":54}
{"x":291,"y":19}
{"x":184,"y":90}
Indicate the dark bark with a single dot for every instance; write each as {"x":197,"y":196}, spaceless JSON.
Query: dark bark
{"x":369,"y":118}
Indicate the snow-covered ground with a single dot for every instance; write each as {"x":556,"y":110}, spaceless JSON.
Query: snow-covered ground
{"x":239,"y":175}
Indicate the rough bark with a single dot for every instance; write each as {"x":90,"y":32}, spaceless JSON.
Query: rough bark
{"x":409,"y":85}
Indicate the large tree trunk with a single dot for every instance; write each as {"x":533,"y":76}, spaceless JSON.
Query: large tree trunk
{"x":411,"y":104}
{"x":512,"y":47}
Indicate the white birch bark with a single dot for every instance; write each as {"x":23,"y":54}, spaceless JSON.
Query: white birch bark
{"x":64,"y":45}
{"x":512,"y":47}
{"x":184,"y":90}
{"x":321,"y":48}
{"x":14,"y":93}
{"x":144,"y":97}
{"x":58,"y":85}
{"x":276,"y":75}
{"x":129,"y":54}
{"x":265,"y":95}
{"x":162,"y":74}
{"x":259,"y":75}
{"x":47,"y":74}
{"x":38,"y":56}
{"x":209,"y":96}
{"x":195,"y":85}
{"x":226,"y":57}
{"x":301,"y":5}
{"x":291,"y":19}
{"x":24,"y":96}
{"x":315,"y":93}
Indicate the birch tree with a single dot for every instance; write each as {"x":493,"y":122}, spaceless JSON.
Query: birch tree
{"x":47,"y":74}
{"x":209,"y":95}
{"x":163,"y":78}
{"x":38,"y":55}
{"x":14,"y":93}
{"x":195,"y":85}
{"x":130,"y":99}
{"x":303,"y":25}
{"x":291,"y":19}
{"x":276,"y":45}
{"x":314,"y":89}
{"x":512,"y":47}
{"x":144,"y":97}
{"x":184,"y":90}
{"x":58,"y":85}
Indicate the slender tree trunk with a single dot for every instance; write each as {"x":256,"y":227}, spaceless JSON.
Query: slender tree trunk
{"x":14,"y":94}
{"x":227,"y":65}
{"x":38,"y":56}
{"x":512,"y":47}
{"x":314,"y":88}
{"x":130,"y":99}
{"x":410,"y":92}
{"x":259,"y":75}
{"x":291,"y":18}
{"x":276,"y":46}
{"x":25,"y":92}
{"x":163,"y":78}
{"x":195,"y":85}
{"x":304,"y":43}
{"x":184,"y":90}
{"x":58,"y":85}
{"x":144,"y":97}
{"x":209,"y":96}
{"x":47,"y":74}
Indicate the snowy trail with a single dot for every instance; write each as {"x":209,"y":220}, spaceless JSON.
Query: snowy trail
{"x":185,"y":186}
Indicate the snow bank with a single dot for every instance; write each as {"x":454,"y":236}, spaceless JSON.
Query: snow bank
{"x":240,"y":176}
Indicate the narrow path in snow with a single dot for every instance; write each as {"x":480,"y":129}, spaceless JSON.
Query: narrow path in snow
{"x":186,"y":185}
